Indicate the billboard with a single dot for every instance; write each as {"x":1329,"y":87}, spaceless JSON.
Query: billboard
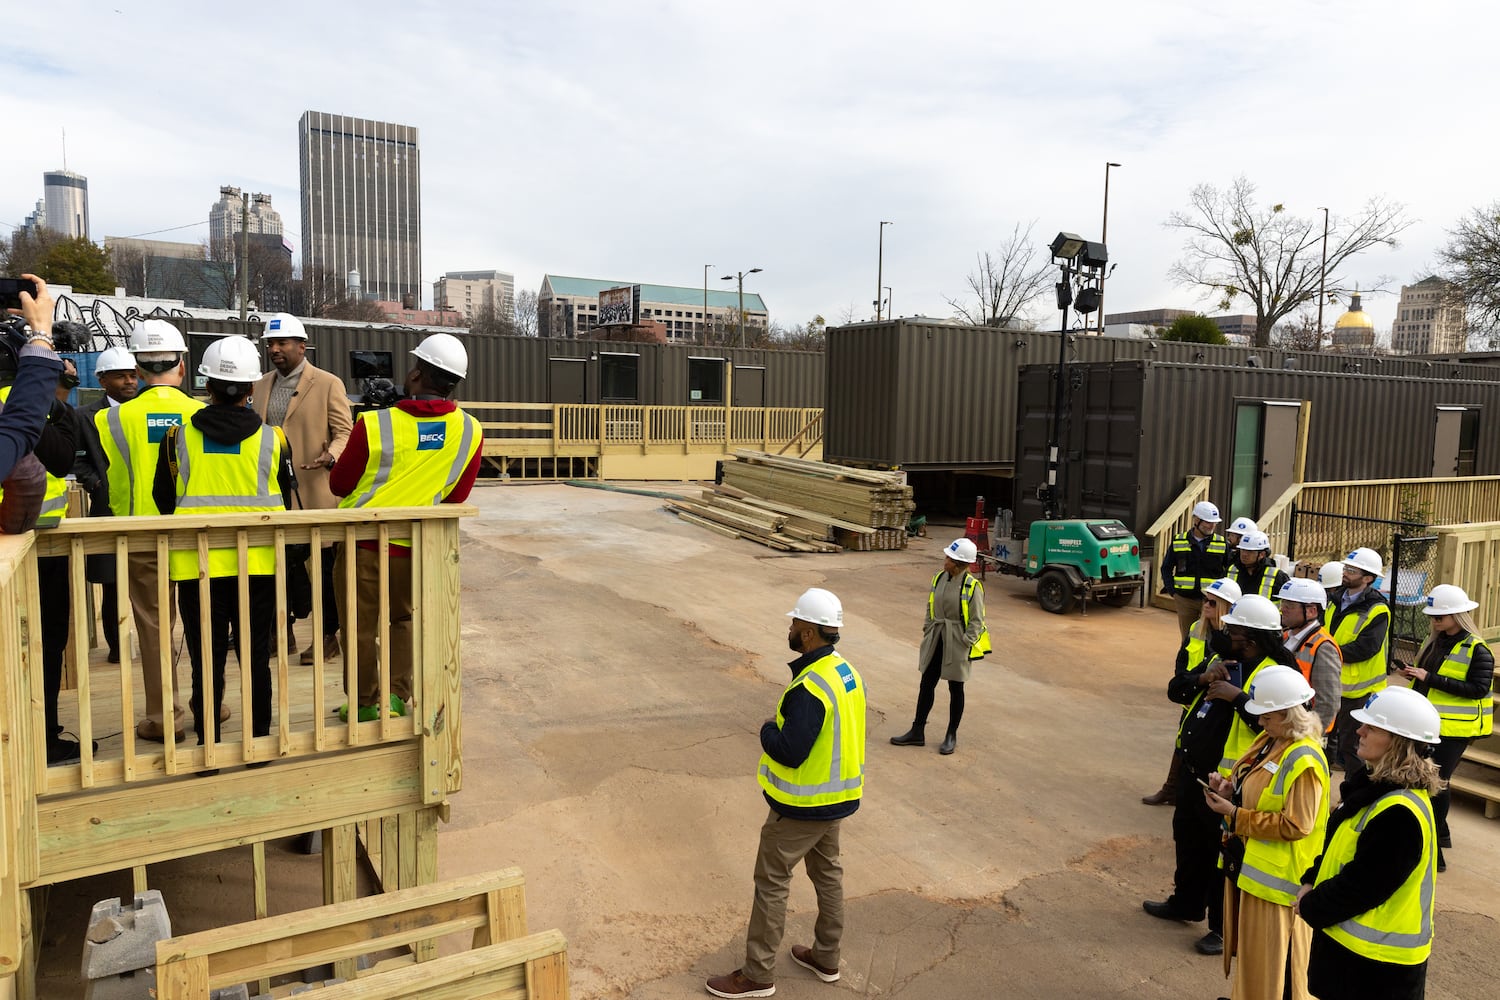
{"x":620,"y":306}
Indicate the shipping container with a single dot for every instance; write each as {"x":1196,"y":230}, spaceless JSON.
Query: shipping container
{"x":941,"y":396}
{"x":540,"y":370}
{"x":1134,"y":430}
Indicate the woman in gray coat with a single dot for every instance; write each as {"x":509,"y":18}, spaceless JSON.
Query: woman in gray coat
{"x":954,"y":635}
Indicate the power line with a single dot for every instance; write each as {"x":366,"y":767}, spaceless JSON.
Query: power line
{"x":171,"y":229}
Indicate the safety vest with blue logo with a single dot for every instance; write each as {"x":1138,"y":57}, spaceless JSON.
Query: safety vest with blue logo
{"x":834,"y":770}
{"x":413,"y":461}
{"x":218,"y":478}
{"x":131,"y":435}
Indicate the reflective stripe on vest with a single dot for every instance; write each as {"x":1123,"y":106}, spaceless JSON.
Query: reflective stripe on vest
{"x":1199,"y":657}
{"x":1462,"y":716}
{"x":214,"y":478}
{"x":1307,"y":653}
{"x":981,"y":645}
{"x":1183,"y":547}
{"x":55,"y":499}
{"x":1399,"y":930}
{"x":1364,"y":677}
{"x":834,"y":769}
{"x":1272,"y":869}
{"x":1267,"y":584}
{"x":130,"y":434}
{"x":1240,"y":734}
{"x":413,"y":461}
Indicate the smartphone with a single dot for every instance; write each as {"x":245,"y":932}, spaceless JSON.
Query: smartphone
{"x":1204,"y":784}
{"x":11,"y":289}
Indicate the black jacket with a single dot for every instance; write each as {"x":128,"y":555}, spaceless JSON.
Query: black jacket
{"x":89,"y":463}
{"x":1372,"y":639}
{"x":1389,"y":847}
{"x":1197,"y":562}
{"x":227,"y":424}
{"x":25,"y":411}
{"x":1251,"y":577}
{"x":1476,"y":684}
{"x":802,"y":720}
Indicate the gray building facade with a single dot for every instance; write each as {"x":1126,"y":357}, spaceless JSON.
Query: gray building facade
{"x":67,"y":198}
{"x":361,"y":203}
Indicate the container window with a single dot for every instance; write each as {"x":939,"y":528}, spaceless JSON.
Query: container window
{"x":619,"y":378}
{"x":706,"y":380}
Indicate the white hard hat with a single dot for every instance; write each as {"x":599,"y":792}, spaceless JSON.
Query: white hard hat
{"x":1402,"y":711}
{"x":115,"y":359}
{"x":1365,"y":560}
{"x":1447,"y":599}
{"x":1300,"y":590}
{"x":154,"y":336}
{"x":1205,"y":511}
{"x":1224,"y":589}
{"x":962,"y":551}
{"x":445,"y":351}
{"x":1255,"y":541}
{"x":284,"y":326}
{"x":1331,"y":574}
{"x":233,"y":359}
{"x":817,"y":606}
{"x":1277,"y":687}
{"x":1242,"y":525}
{"x":1254,"y":611}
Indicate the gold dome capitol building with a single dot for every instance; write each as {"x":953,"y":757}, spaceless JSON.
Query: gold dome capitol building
{"x":1355,"y":330}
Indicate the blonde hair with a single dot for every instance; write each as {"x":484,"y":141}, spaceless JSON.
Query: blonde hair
{"x":1401,"y":765}
{"x":1466,"y":626}
{"x":1302,"y":724}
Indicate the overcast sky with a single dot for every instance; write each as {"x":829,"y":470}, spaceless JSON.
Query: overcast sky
{"x":640,"y":141}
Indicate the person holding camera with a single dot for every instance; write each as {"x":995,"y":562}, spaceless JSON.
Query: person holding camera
{"x":1274,"y":806}
{"x":27,"y":338}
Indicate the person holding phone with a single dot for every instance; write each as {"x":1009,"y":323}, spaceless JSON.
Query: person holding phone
{"x":1456,"y":671}
{"x":37,"y":370}
{"x":1274,"y":804}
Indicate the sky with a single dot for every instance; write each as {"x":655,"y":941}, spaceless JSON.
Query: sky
{"x":640,"y":141}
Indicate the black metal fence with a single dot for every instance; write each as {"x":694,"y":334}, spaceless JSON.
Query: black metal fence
{"x":1407,"y":549}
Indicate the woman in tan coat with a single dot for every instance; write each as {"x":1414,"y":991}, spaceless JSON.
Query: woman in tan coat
{"x":1275,"y":809}
{"x":954,"y":635}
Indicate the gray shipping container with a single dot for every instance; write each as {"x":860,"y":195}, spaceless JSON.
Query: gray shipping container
{"x":1135,"y":429}
{"x":540,"y":370}
{"x":933,"y":395}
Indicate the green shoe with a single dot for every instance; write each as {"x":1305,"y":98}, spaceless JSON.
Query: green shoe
{"x":371,"y":713}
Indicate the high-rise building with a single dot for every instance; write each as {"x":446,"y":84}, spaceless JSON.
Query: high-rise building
{"x":569,"y":308}
{"x":225,"y":218}
{"x":361,"y":204}
{"x":67,"y":196}
{"x":1430,"y":319}
{"x":469,"y":292}
{"x":37,"y":219}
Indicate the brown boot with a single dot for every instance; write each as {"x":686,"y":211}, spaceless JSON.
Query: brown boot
{"x":1166,"y":795}
{"x":331,"y":650}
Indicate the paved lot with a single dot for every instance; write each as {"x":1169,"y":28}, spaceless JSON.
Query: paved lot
{"x":618,"y":664}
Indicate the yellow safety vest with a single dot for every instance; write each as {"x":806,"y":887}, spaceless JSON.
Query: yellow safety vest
{"x":215,"y":478}
{"x":413,"y":461}
{"x":131,"y":435}
{"x":1273,"y":869}
{"x":981,"y":647}
{"x":1398,"y":931}
{"x":1364,"y":678}
{"x":1240,"y":734}
{"x":1199,"y":658}
{"x":1182,"y":547}
{"x":55,"y":500}
{"x":1267,"y":584}
{"x":1462,"y":716}
{"x":1308,"y":652}
{"x":835,"y":769}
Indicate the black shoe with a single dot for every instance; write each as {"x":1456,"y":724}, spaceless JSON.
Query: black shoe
{"x":950,"y":744}
{"x":65,"y":751}
{"x":1442,"y":864}
{"x":916,"y":736}
{"x":1211,"y":943}
{"x":1167,"y":910}
{"x":113,"y":657}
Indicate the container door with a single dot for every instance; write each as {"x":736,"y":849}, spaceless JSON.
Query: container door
{"x":1244,"y":491}
{"x":1445,"y":442}
{"x":568,"y":380}
{"x":749,"y":386}
{"x":1278,"y":453}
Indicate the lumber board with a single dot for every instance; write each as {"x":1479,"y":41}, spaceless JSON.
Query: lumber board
{"x":705,"y":523}
{"x":816,"y":468}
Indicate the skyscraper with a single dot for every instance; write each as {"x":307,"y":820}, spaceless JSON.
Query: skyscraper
{"x":361,"y":203}
{"x":224,"y":218}
{"x":67,"y":196}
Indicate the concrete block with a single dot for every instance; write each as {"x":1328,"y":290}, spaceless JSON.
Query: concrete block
{"x":122,"y":938}
{"x":136,"y":985}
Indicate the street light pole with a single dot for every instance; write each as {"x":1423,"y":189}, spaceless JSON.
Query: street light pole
{"x":880,"y":269}
{"x":740,"y":277}
{"x":1323,"y":279}
{"x":1104,"y":238}
{"x":703,"y":327}
{"x":890,"y":310}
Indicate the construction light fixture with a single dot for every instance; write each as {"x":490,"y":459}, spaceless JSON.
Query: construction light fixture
{"x":1067,"y":246}
{"x":1094,"y":256}
{"x":1086,"y":301}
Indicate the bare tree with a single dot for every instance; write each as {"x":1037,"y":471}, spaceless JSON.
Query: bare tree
{"x":1471,"y":260}
{"x":1005,"y":282}
{"x":1301,"y":334}
{"x":526,"y":314}
{"x":1237,"y":247}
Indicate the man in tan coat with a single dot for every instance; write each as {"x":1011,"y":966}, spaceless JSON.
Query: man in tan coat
{"x":312,"y":410}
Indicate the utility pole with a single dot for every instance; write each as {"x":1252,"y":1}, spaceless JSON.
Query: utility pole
{"x":740,"y":277}
{"x":1104,"y":238}
{"x":880,"y":269}
{"x":1322,"y":279}
{"x":704,"y":327}
{"x":244,"y":256}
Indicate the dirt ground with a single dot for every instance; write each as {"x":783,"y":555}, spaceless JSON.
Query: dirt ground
{"x":617,"y":667}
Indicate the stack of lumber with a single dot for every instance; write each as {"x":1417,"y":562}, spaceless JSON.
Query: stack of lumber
{"x":803,"y":506}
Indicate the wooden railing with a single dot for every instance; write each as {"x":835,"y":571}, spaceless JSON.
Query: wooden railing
{"x":1467,"y":556}
{"x":124,"y":805}
{"x":1177,"y":518}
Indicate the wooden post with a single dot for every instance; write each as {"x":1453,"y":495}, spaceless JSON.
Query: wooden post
{"x":438,"y":652}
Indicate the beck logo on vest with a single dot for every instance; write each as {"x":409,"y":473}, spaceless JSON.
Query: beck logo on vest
{"x":157,"y":425}
{"x":430,"y":435}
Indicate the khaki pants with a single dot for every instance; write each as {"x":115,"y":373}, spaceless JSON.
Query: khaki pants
{"x":366,"y":631}
{"x":144,"y":574}
{"x":783,"y":843}
{"x":1188,"y":610}
{"x":1269,"y":939}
